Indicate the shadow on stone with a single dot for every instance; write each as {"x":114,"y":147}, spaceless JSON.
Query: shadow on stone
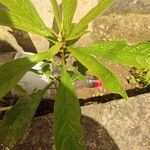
{"x":47,"y":106}
{"x":39,"y":135}
{"x":96,"y":136}
{"x":111,"y":97}
{"x":23,"y":39}
{"x":6,"y":47}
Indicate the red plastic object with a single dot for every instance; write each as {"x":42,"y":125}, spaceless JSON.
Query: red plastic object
{"x":98,"y":84}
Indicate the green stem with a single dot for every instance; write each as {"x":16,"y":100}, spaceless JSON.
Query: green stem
{"x":5,"y":108}
{"x":63,"y":53}
{"x":63,"y":57}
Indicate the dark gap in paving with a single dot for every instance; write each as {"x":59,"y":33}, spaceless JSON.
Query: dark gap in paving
{"x":47,"y":106}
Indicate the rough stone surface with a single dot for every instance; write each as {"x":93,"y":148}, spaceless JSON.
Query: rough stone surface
{"x":131,"y":6}
{"x":130,"y":27}
{"x":128,"y":123}
{"x":116,"y":125}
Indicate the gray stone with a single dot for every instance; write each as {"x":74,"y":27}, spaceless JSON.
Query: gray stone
{"x":130,"y":27}
{"x":128,"y":122}
{"x":116,"y":125}
{"x":39,"y":135}
{"x":5,"y":57}
{"x":131,"y":6}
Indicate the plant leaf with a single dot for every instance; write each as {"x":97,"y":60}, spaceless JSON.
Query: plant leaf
{"x":12,"y":72}
{"x":69,"y":8}
{"x":22,"y":15}
{"x":17,"y":119}
{"x":100,"y":71}
{"x":73,"y":41}
{"x":67,"y":113}
{"x":92,"y":14}
{"x":137,"y":55}
{"x":56,"y":13}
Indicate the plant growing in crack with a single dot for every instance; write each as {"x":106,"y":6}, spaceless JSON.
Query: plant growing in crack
{"x":68,"y":132}
{"x":140,"y":76}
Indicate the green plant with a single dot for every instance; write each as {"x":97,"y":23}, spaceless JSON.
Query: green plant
{"x":67,"y":129}
{"x":140,"y":76}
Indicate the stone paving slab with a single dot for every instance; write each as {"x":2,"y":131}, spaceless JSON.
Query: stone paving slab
{"x":116,"y":125}
{"x":131,"y":6}
{"x":130,"y":27}
{"x":127,"y":122}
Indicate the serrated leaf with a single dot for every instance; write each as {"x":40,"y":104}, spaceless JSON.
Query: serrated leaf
{"x":67,"y":113}
{"x":56,"y":13}
{"x":92,"y":14}
{"x":22,"y":15}
{"x":69,"y":8}
{"x":100,"y":71}
{"x":12,"y":72}
{"x":137,"y":55}
{"x":17,"y":119}
{"x":79,"y":35}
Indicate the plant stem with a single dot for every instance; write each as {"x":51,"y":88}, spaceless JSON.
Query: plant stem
{"x":5,"y":108}
{"x":63,"y":57}
{"x":63,"y":53}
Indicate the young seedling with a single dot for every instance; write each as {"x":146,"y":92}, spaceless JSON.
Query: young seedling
{"x":140,"y":76}
{"x":68,"y":132}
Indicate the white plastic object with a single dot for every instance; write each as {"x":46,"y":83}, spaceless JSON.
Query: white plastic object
{"x":32,"y":81}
